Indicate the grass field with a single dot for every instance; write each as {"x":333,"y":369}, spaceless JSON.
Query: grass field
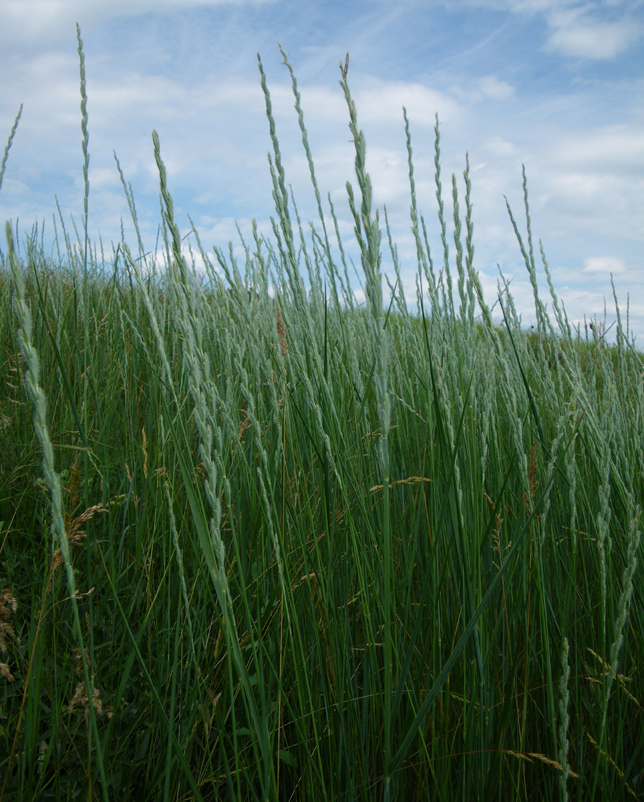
{"x":258,"y":541}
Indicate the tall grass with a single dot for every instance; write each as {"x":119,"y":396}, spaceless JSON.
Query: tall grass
{"x":312,"y":550}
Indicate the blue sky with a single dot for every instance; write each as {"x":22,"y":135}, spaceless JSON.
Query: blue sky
{"x":557,"y":85}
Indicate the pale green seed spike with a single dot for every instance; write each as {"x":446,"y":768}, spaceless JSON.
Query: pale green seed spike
{"x":85,"y":143}
{"x":528,"y":222}
{"x":398,"y":291}
{"x":129,"y":196}
{"x":564,"y":720}
{"x":469,"y":239}
{"x":307,"y":150}
{"x":449,"y":302}
{"x":562,"y":318}
{"x":528,"y":257}
{"x":429,"y":269}
{"x":424,"y":259}
{"x":9,"y":143}
{"x":345,"y":283}
{"x":280,"y":194}
{"x":459,"y":250}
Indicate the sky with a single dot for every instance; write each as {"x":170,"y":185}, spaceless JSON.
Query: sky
{"x":556,"y":86}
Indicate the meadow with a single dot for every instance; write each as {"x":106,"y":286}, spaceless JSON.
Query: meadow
{"x":259,"y":541}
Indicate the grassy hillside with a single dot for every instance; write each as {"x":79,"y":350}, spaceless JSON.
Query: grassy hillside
{"x":259,"y":542}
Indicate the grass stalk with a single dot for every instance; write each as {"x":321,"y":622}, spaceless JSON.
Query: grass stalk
{"x":370,"y":255}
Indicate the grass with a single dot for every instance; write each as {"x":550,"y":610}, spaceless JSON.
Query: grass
{"x":260,"y":542}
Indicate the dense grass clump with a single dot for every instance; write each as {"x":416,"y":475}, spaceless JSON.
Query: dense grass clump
{"x":260,"y":542}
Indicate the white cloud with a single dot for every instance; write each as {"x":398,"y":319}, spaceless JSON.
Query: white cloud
{"x":592,"y":40}
{"x":491,"y":87}
{"x":603,"y":265}
{"x":580,"y":29}
{"x":497,"y":146}
{"x":608,"y":148}
{"x":382,"y":102}
{"x":388,"y":170}
{"x":32,"y":21}
{"x":318,"y":102}
{"x":485,"y":88}
{"x":524,"y":6}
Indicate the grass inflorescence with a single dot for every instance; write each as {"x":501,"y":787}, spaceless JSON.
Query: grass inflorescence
{"x":259,"y":542}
